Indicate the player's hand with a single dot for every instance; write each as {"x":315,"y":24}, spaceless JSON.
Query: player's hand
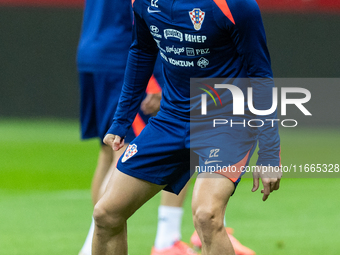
{"x":151,"y":103}
{"x":270,"y":177}
{"x":114,"y":141}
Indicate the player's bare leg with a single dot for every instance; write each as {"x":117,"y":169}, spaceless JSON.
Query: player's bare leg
{"x":107,"y":161}
{"x":105,"y":155}
{"x":123,"y":196}
{"x":210,"y":198}
{"x":116,"y":156}
{"x":104,"y":163}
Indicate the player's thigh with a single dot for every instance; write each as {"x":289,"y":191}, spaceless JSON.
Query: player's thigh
{"x":125,"y":194}
{"x":211,"y":194}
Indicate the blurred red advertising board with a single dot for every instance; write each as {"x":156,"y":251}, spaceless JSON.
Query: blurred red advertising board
{"x":299,"y":5}
{"x":43,"y":3}
{"x":265,"y":5}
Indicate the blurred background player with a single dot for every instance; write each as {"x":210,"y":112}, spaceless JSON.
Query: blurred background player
{"x":101,"y":60}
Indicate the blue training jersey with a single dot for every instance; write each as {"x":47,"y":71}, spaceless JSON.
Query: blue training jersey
{"x":207,"y":38}
{"x":106,"y":35}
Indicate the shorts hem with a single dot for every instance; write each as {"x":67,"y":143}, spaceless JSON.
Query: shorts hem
{"x":140,"y":175}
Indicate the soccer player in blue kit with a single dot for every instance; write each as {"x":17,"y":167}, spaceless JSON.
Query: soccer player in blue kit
{"x":208,"y":38}
{"x":101,"y":61}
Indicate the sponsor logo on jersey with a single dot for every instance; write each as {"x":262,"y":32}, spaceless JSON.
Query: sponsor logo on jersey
{"x":203,"y":62}
{"x":173,"y":33}
{"x":202,"y":51}
{"x":153,"y":4}
{"x":152,"y":11}
{"x":181,"y":63}
{"x":156,"y":35}
{"x":174,"y":50}
{"x":190,"y":51}
{"x":195,"y":38}
{"x":197,"y":18}
{"x":154,"y":29}
{"x":130,"y":151}
{"x":211,"y":161}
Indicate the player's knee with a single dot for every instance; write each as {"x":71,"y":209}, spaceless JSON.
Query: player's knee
{"x":106,"y":220}
{"x":207,"y":219}
{"x":208,"y":223}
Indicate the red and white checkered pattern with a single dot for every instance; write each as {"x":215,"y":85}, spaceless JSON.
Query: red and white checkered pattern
{"x":130,"y":151}
{"x":197,"y":17}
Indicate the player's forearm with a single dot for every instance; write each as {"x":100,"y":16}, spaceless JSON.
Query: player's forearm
{"x":269,"y":146}
{"x":138,"y":72}
{"x":250,"y":40}
{"x":269,"y":139}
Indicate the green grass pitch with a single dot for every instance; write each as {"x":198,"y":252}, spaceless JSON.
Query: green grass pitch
{"x":45,"y":206}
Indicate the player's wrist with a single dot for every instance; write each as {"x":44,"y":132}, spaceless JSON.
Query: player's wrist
{"x":268,"y":162}
{"x":118,"y":130}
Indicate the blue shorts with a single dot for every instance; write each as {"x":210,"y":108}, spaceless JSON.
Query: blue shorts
{"x":99,"y":95}
{"x":166,"y":153}
{"x":224,"y":150}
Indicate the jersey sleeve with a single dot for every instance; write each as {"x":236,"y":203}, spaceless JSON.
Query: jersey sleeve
{"x":140,"y":64}
{"x":249,"y":37}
